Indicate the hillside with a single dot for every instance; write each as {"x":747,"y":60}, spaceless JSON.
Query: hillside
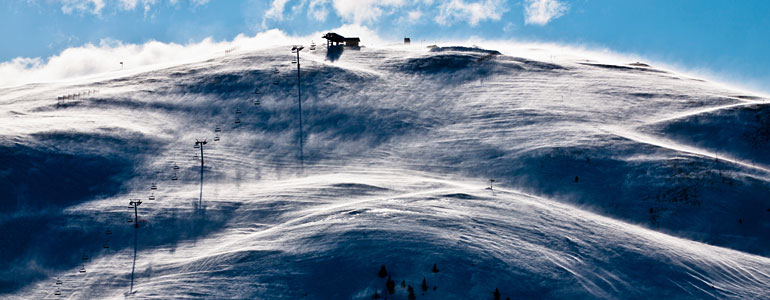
{"x":612,"y":181}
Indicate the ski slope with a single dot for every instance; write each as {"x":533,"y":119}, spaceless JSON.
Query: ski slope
{"x":612,"y":181}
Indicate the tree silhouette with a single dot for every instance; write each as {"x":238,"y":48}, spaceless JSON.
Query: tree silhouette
{"x":412,"y":296}
{"x":391,"y":285}
{"x":383,"y":272}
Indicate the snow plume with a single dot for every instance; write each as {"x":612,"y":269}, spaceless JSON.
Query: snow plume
{"x":540,"y":12}
{"x":93,"y":59}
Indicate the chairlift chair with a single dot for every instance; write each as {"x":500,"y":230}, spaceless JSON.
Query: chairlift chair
{"x":107,"y":245}
{"x":129,"y":220}
{"x":176,"y":167}
{"x":218,"y":129}
{"x":216,"y":138}
{"x":57,"y":292}
{"x":196,"y":146}
{"x":152,"y":197}
{"x":237,"y":110}
{"x":256,"y":103}
{"x":82,"y":269}
{"x":275,"y":71}
{"x":257,"y":92}
{"x":294,"y":61}
{"x":312,"y":45}
{"x":58,"y":281}
{"x":275,"y":82}
{"x":85,"y":257}
{"x":153,"y":186}
{"x":196,"y":157}
{"x":108,"y":232}
{"x":237,"y":121}
{"x":174,"y":177}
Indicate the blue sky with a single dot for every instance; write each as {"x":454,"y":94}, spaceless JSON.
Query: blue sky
{"x":730,"y":39}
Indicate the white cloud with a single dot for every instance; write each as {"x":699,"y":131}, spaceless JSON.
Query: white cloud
{"x":128,"y":4}
{"x":414,"y":16}
{"x":317,"y":9}
{"x":276,"y":9}
{"x":81,"y":6}
{"x":363,"y":11}
{"x":96,"y":6}
{"x":471,"y":12}
{"x":540,"y":12}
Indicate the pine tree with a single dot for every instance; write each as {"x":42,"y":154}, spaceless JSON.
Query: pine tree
{"x":383,"y":272}
{"x":497,"y":294}
{"x":435,"y":270}
{"x":424,"y":284}
{"x":412,"y":296}
{"x":376,"y":295}
{"x":391,"y":285}
{"x":403,"y":283}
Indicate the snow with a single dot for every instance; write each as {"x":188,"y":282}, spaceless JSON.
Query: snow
{"x":607,"y":185}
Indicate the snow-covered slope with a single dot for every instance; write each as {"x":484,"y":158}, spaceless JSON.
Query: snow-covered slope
{"x":612,"y":181}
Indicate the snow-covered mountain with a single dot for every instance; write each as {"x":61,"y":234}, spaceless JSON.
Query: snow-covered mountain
{"x":612,"y":181}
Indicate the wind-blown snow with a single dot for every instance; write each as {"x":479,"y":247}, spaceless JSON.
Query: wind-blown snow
{"x":606,"y":186}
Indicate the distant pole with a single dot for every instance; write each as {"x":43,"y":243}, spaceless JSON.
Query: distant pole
{"x":299,"y":101}
{"x":135,"y":203}
{"x":201,"y":143}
